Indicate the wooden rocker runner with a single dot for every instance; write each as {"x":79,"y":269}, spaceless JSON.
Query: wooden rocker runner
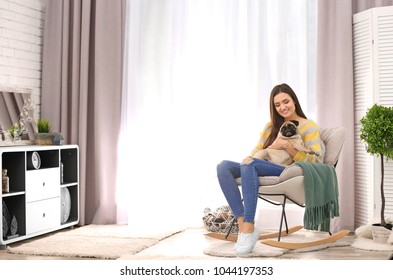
{"x":300,"y":245}
{"x":233,"y":237}
{"x":284,"y":245}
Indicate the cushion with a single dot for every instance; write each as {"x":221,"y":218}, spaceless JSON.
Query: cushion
{"x":289,"y":172}
{"x":334,"y":140}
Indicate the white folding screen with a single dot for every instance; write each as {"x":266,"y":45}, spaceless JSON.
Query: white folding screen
{"x":373,"y":83}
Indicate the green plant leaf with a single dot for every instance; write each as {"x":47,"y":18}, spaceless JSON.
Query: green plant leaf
{"x":44,"y":126}
{"x":377,"y":130}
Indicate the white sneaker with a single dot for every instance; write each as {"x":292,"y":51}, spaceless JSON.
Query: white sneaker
{"x":246,"y":242}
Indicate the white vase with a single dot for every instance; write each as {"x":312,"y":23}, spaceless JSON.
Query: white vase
{"x":380,"y":233}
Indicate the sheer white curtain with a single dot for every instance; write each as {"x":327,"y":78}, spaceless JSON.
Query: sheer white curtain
{"x":288,"y":48}
{"x":198,"y":75}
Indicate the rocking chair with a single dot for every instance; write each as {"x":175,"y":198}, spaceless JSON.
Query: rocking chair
{"x":289,"y":188}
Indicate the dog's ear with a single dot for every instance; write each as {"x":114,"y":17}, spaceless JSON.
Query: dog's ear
{"x":295,"y":122}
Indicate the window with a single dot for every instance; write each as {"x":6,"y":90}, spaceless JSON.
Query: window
{"x":198,"y":77}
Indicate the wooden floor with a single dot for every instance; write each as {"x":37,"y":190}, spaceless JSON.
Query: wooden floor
{"x":194,"y":249}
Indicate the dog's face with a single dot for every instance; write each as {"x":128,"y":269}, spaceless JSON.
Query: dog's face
{"x":289,"y":128}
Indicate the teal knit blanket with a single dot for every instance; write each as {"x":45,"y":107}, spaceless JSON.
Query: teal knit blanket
{"x":321,"y":195}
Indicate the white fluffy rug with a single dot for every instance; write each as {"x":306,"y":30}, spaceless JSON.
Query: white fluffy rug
{"x":92,"y":241}
{"x":370,"y":245}
{"x":227,"y":249}
{"x":364,"y":239}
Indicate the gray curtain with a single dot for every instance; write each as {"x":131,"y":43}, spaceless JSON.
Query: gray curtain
{"x":335,"y":89}
{"x":81,"y":93}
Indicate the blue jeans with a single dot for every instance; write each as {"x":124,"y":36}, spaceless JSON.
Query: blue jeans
{"x":228,"y":171}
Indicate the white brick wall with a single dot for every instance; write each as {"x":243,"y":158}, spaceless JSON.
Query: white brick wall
{"x":21,"y":34}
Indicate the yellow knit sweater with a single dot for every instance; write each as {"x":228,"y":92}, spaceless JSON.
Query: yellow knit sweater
{"x":311,"y":137}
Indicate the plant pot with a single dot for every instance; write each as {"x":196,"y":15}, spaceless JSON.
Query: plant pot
{"x":48,"y":138}
{"x":380,"y":233}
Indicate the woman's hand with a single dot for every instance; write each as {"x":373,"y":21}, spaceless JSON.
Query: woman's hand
{"x":280,"y":144}
{"x":247,"y":160}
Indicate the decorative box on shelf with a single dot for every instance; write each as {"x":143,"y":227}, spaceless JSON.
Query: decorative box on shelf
{"x":48,"y":138}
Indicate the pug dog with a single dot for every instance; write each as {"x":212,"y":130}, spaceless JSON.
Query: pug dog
{"x":288,"y":131}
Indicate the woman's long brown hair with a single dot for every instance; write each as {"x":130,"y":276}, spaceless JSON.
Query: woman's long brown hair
{"x":275,"y":117}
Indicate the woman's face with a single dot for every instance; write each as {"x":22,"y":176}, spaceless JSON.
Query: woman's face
{"x":285,"y":106}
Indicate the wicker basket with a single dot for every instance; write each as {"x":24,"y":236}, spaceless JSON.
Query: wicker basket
{"x":220,"y":221}
{"x":380,"y":233}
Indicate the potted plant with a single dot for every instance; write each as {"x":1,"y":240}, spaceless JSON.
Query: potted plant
{"x":43,"y":126}
{"x":377,"y":132}
{"x":15,"y":130}
{"x":44,"y":135}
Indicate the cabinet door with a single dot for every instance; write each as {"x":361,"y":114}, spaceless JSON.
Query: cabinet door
{"x":42,"y":184}
{"x":42,"y":215}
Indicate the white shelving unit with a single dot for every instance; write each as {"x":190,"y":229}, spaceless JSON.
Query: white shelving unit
{"x":42,"y":198}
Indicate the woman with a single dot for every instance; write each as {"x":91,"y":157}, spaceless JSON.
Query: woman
{"x":284,"y":106}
